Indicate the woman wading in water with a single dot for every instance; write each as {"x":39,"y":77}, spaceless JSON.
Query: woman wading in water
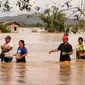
{"x":21,"y":52}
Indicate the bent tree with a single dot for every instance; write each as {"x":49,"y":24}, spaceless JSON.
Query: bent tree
{"x":54,"y":18}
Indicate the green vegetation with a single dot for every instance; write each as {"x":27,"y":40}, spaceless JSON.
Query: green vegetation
{"x":67,"y":29}
{"x":79,"y":27}
{"x":4,"y":29}
{"x":54,"y":19}
{"x":22,"y":24}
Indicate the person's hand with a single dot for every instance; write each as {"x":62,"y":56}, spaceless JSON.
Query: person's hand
{"x":18,"y":57}
{"x":50,"y":52}
{"x":2,"y":46}
{"x":15,"y":54}
{"x":64,"y":53}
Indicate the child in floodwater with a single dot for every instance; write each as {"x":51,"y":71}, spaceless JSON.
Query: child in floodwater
{"x":80,"y":49}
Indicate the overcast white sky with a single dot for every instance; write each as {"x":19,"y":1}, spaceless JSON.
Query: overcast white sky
{"x":40,"y":3}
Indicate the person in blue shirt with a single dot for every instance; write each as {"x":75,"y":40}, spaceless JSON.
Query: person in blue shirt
{"x":21,"y":52}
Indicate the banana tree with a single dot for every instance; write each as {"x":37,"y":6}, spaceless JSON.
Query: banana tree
{"x":54,"y":19}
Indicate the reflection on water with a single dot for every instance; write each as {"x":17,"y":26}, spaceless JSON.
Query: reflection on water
{"x":42,"y":73}
{"x":41,"y":68}
{"x":65,"y":74}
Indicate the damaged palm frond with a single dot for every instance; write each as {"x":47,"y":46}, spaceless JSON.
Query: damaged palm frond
{"x":6,"y":6}
{"x":24,"y":5}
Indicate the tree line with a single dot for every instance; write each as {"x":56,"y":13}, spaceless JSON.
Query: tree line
{"x":53,"y":17}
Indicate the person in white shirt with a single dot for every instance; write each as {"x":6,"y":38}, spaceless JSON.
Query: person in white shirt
{"x":6,"y":54}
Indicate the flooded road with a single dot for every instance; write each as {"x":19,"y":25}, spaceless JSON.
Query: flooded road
{"x":41,"y":68}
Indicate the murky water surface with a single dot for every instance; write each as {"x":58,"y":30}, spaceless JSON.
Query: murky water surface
{"x":41,"y":68}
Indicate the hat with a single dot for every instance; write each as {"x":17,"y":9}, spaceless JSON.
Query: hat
{"x":65,"y":37}
{"x":8,"y":37}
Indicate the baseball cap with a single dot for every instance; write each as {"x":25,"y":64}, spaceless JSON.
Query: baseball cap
{"x":65,"y":37}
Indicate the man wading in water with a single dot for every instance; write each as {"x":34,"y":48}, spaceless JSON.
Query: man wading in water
{"x":66,"y":50}
{"x":6,"y":48}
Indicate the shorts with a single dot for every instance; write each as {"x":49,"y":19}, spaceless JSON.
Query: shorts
{"x":1,"y":55}
{"x":7,"y":59}
{"x":21,"y":60}
{"x":65,"y":62}
{"x":82,"y":57}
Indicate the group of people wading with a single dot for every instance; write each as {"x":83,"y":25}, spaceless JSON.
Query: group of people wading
{"x":65,"y":50}
{"x":6,"y":51}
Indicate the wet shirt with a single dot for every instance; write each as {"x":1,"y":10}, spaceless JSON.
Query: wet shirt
{"x":9,"y":53}
{"x":80,"y":47}
{"x":80,"y":51}
{"x":65,"y":49}
{"x":20,"y":52}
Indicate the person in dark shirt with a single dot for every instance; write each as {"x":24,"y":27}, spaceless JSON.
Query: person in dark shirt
{"x":65,"y":48}
{"x":21,"y":52}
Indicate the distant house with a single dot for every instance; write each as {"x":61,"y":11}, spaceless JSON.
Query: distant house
{"x":13,"y":26}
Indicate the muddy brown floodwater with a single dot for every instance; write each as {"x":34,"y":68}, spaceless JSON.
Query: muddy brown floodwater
{"x":41,"y":68}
